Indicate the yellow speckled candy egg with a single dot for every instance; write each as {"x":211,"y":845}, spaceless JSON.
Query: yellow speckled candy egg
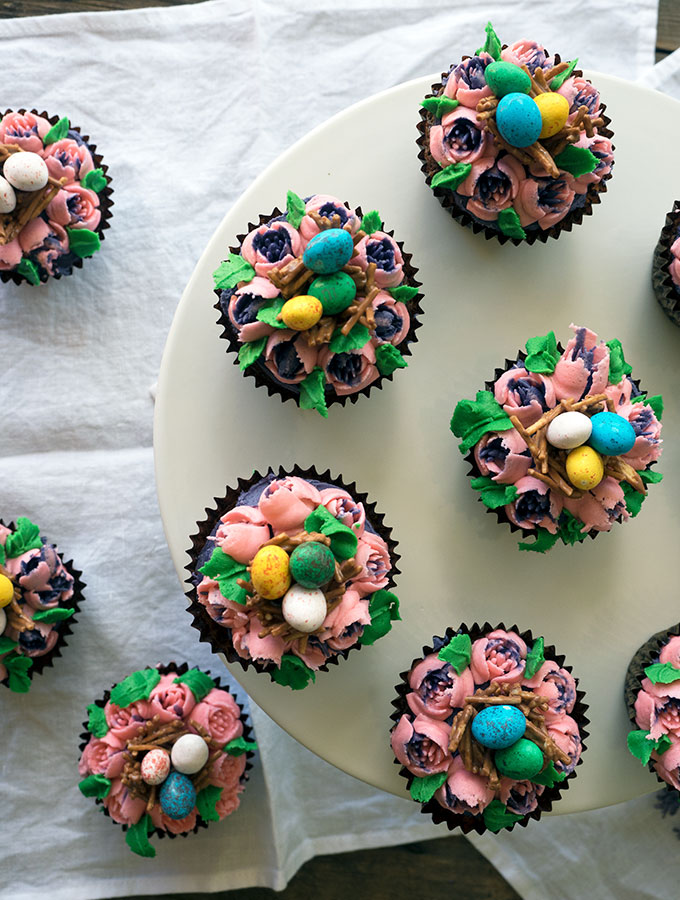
{"x":301,"y":313}
{"x":6,"y":591}
{"x":554,"y":113}
{"x":584,"y":468}
{"x":270,"y":572}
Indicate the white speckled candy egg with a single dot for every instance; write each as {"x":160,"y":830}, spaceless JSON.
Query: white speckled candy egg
{"x":304,"y":608}
{"x":25,"y":171}
{"x":8,"y":199}
{"x":155,"y":766}
{"x":569,"y":430}
{"x":3,"y":620}
{"x":189,"y":754}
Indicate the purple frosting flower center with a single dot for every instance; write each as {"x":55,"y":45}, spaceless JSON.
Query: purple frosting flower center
{"x":463,"y":135}
{"x":643,"y":424}
{"x":345,"y":367}
{"x":381,"y":253}
{"x":247,"y":307}
{"x":493,"y":185}
{"x":331,"y":209}
{"x":553,"y":194}
{"x":387,"y":322}
{"x":273,"y":244}
{"x":471,"y":72}
{"x":533,"y":507}
{"x":436,"y":683}
{"x":286,"y":359}
{"x":527,"y":391}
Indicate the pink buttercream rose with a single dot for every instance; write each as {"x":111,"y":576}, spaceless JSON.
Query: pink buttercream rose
{"x":544,"y":200}
{"x":535,"y":505}
{"x":46,"y":582}
{"x":500,"y":656}
{"x":172,"y":826}
{"x":383,"y":250}
{"x":103,"y":757}
{"x":602,"y":148}
{"x":125,"y":722}
{"x":248,"y":643}
{"x":227,"y":770}
{"x":68,"y":159}
{"x":344,"y":624}
{"x":583,"y":368}
{"x":55,"y":245}
{"x":271,"y":246}
{"x":122,"y":806}
{"x":170,"y":700}
{"x":33,"y":234}
{"x":219,"y":714}
{"x":436,"y":688}
{"x":10,"y":255}
{"x":464,"y":792}
{"x":286,"y":502}
{"x":422,"y":745}
{"x":344,"y":508}
{"x":565,"y":732}
{"x":657,"y":708}
{"x":289,"y":357}
{"x":244,"y":305}
{"x":328,"y":206}
{"x":600,"y":507}
{"x":503,"y":455}
{"x":492,"y":186}
{"x":392,"y":319}
{"x":466,"y":82}
{"x":229,"y":802}
{"x":647,"y":428}
{"x":242,"y":532}
{"x":225,"y":612}
{"x":374,"y":555}
{"x":25,"y":129}
{"x":557,"y":686}
{"x":580,"y":92}
{"x":460,"y":138}
{"x":75,"y":207}
{"x":520,"y":797}
{"x":670,"y":652}
{"x":349,"y":371}
{"x":527,"y":53}
{"x":524,"y":394}
{"x":668,"y":765}
{"x":48,"y":634}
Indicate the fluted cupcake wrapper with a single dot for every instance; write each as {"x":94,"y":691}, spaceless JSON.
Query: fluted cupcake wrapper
{"x":667,"y":294}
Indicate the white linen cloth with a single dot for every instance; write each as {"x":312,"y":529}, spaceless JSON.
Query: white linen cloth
{"x":187,"y":105}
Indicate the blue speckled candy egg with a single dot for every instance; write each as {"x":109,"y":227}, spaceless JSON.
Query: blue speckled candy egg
{"x":498,"y":726}
{"x":177,"y":796}
{"x":612,"y":435}
{"x":519,"y":119}
{"x":329,"y":251}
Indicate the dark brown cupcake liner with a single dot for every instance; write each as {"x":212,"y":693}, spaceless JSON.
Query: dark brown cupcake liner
{"x":105,"y":201}
{"x":466,"y":823}
{"x":217,"y":635}
{"x":665,"y":290}
{"x":46,"y":660}
{"x":165,"y":669}
{"x":261,"y":374}
{"x":430,"y":167}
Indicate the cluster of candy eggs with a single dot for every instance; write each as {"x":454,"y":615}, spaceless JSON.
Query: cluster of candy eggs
{"x":177,"y":795}
{"x":333,"y":290}
{"x":6,"y":597}
{"x":296,"y":580}
{"x":501,"y":728}
{"x":588,"y":439}
{"x":522,"y":120}
{"x":22,"y":171}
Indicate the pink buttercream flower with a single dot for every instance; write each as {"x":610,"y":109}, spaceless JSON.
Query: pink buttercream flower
{"x":75,"y":207}
{"x":583,"y":368}
{"x":668,"y":765}
{"x":374,"y":555}
{"x":557,"y":686}
{"x":647,"y":446}
{"x":42,"y":577}
{"x":55,"y":245}
{"x":122,"y":806}
{"x":602,"y":148}
{"x":422,"y":745}
{"x":227,"y":770}
{"x":464,"y":792}
{"x":68,"y":159}
{"x":289,"y":357}
{"x":344,"y":508}
{"x":344,"y":625}
{"x":460,"y":138}
{"x":674,"y":267}
{"x":670,"y":652}
{"x":600,"y":507}
{"x":25,"y":129}
{"x":225,"y":612}
{"x":383,"y":250}
{"x":580,"y":92}
{"x":503,"y":455}
{"x":219,"y":714}
{"x":170,"y":700}
{"x":535,"y":505}
{"x":657,"y":708}
{"x":244,"y":305}
{"x":326,"y":205}
{"x":436,"y":688}
{"x":500,"y":656}
{"x":466,"y":83}
{"x":565,"y":732}
{"x":527,"y":53}
{"x":242,"y":531}
{"x":315,"y":655}
{"x":10,"y":255}
{"x":271,"y":246}
{"x":103,"y":757}
{"x":33,"y":234}
{"x":228,"y":803}
{"x":349,"y":371}
{"x":492,"y":186}
{"x":392,"y":319}
{"x":524,"y":394}
{"x":44,"y":636}
{"x":172,"y":826}
{"x":544,"y":200}
{"x":520,"y":797}
{"x":125,"y":722}
{"x":286,"y":502}
{"x":248,"y":643}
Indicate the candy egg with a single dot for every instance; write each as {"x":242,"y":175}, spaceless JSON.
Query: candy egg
{"x":6,"y":590}
{"x":26,"y":171}
{"x":522,"y":760}
{"x":328,"y":251}
{"x":498,"y":726}
{"x":554,"y":110}
{"x":569,"y":430}
{"x":3,"y":620}
{"x":8,"y":199}
{"x":612,"y":434}
{"x":312,"y":564}
{"x":155,"y":766}
{"x":507,"y":78}
{"x":189,"y":754}
{"x":177,"y":796}
{"x":304,"y":608}
{"x":301,"y":313}
{"x":584,"y":468}
{"x":336,"y":292}
{"x":518,"y":120}
{"x":270,"y":572}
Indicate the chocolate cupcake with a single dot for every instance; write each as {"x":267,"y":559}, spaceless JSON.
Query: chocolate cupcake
{"x":514,"y":143}
{"x":55,"y":197}
{"x":319,"y":303}
{"x":666,"y":266}
{"x":165,"y":752}
{"x":562,"y":443}
{"x":39,"y":596}
{"x":290,"y":572}
{"x":489,"y":728}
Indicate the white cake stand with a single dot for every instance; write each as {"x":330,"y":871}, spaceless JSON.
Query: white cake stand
{"x":596,"y":602}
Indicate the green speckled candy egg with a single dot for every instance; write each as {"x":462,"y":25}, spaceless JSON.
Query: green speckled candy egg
{"x":336,"y":292}
{"x":312,"y":564}
{"x":507,"y":78}
{"x":522,"y":760}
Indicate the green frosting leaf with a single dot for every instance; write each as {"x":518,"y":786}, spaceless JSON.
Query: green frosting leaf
{"x":295,"y":208}
{"x":29,"y":270}
{"x":7,"y":644}
{"x":83,"y":242}
{"x":557,"y":82}
{"x":137,"y":837}
{"x":206,"y":801}
{"x":270,"y":311}
{"x":57,"y":132}
{"x":473,"y":418}
{"x":313,"y":392}
{"x":641,"y":745}
{"x":542,"y":354}
{"x":457,"y":652}
{"x":549,"y":776}
{"x":95,"y":180}
{"x":251,"y":351}
{"x":656,"y":402}
{"x":135,"y":687}
{"x":238,"y":746}
{"x":403,"y":293}
{"x":371,"y":222}
{"x":25,"y":537}
{"x":226,"y":571}
{"x":424,"y":789}
{"x":293,"y":673}
{"x":95,"y":786}
{"x":96,"y":723}
{"x":618,"y":367}
{"x":451,"y":176}
{"x":17,"y":670}
{"x":232,"y":271}
{"x":388,"y":358}
{"x":576,"y":160}
{"x":49,"y":616}
{"x":510,"y":225}
{"x":343,"y":540}
{"x":633,"y":499}
{"x":198,"y":683}
{"x":496,"y":816}
{"x":544,"y":541}
{"x":535,"y":658}
{"x":650,"y":476}
{"x":355,"y":340}
{"x":439,"y":106}
{"x":493,"y":494}
{"x":492,"y":45}
{"x":2,"y":554}
{"x":662,"y":673}
{"x":570,"y":528}
{"x":384,"y":609}
{"x":641,"y":398}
